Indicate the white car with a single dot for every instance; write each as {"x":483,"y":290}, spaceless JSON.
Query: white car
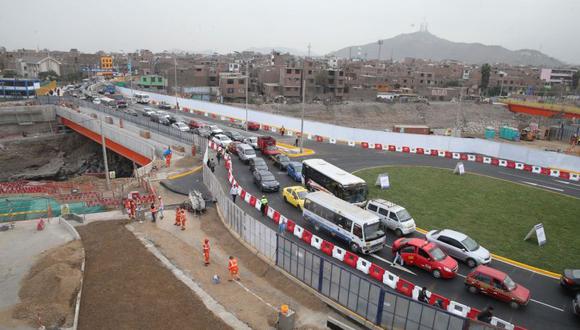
{"x":393,"y":216}
{"x":181,"y":126}
{"x":147,"y":112}
{"x":221,"y":140}
{"x":252,"y":141}
{"x":215,"y":130}
{"x":97,"y":101}
{"x":460,"y":246}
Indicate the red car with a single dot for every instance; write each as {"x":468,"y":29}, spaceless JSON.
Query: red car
{"x":426,"y":255}
{"x":497,"y":284}
{"x":196,"y":124}
{"x":233,"y":147}
{"x":253,"y":126}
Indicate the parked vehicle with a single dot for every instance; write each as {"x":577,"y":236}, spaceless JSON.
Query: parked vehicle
{"x":321,"y":175}
{"x":245,"y":152}
{"x":221,"y":140}
{"x":235,"y":136}
{"x":294,"y":170}
{"x":570,"y":279}
{"x":253,"y":126}
{"x":252,"y":141}
{"x":170,"y":118}
{"x":266,"y":181}
{"x":498,"y":285}
{"x":281,"y":161}
{"x":257,"y":164}
{"x":426,"y":255}
{"x":393,"y":216}
{"x":203,"y":132}
{"x":215,"y":130}
{"x":196,"y":124}
{"x":295,"y":196}
{"x":160,"y":118}
{"x":360,"y":229}
{"x":460,"y":246}
{"x":267,"y":145}
{"x":164,"y":105}
{"x":180,"y":126}
{"x":233,"y":147}
{"x":131,"y":112}
{"x":96,"y":100}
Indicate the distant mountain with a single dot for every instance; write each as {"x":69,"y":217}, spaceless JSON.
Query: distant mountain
{"x":283,"y":50}
{"x":425,"y":45}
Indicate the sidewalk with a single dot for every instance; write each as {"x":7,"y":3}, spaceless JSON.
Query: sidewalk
{"x":262,"y":289}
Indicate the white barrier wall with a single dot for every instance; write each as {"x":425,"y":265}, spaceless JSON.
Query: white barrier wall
{"x":479,"y":146}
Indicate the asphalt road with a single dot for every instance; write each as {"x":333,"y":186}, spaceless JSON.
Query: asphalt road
{"x":550,"y":307}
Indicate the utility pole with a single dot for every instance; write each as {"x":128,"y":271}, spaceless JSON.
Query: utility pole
{"x":380,"y":42}
{"x":302,"y":117}
{"x":105,"y":156}
{"x":175,"y":67}
{"x":247,"y":85}
{"x":309,"y":50}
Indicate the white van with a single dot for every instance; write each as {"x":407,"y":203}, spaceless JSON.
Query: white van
{"x":245,"y":152}
{"x":393,"y":216}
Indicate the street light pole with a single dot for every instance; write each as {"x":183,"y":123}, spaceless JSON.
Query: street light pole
{"x":175,"y":67}
{"x":247,"y":84}
{"x":105,"y":156}
{"x":302,"y":117}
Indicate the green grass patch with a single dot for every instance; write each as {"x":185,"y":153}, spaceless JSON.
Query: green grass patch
{"x":496,"y":213}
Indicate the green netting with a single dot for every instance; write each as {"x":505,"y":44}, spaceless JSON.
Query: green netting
{"x":26,"y":208}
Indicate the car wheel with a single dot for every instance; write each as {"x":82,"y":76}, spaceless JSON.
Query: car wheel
{"x":472,"y":289}
{"x":436,"y":273}
{"x":285,"y":199}
{"x":471,"y":263}
{"x":514,"y":305}
{"x":354,"y":247}
{"x":398,"y":232}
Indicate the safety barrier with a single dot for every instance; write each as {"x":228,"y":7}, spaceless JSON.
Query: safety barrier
{"x":365,"y":137}
{"x":439,"y":313}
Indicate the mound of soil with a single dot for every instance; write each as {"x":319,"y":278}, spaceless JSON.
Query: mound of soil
{"x":49,"y":290}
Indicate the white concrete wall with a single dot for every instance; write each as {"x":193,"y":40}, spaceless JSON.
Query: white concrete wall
{"x":479,"y":146}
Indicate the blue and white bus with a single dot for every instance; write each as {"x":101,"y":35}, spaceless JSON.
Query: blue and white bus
{"x":359,"y":228}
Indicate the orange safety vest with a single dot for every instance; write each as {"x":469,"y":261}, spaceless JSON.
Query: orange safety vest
{"x":233,"y":265}
{"x":205,"y":248}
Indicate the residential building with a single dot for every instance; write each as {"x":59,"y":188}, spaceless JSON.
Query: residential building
{"x":107,"y":63}
{"x":557,"y":76}
{"x":232,"y":86}
{"x":152,"y":81}
{"x":13,"y":88}
{"x":30,"y":67}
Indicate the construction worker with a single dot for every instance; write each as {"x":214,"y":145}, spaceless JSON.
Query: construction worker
{"x":206,"y":252}
{"x":161,"y":207}
{"x":183,"y":219}
{"x":153,"y":212}
{"x":127,"y":205}
{"x":177,"y":217}
{"x":264,"y":205}
{"x":132,"y":209}
{"x":167,"y":154}
{"x":233,"y":268}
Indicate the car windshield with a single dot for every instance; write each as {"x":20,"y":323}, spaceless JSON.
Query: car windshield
{"x":268,"y":177}
{"x":302,"y":194}
{"x":373,"y":231}
{"x":403,"y":215}
{"x":250,"y":152}
{"x":509,"y":283}
{"x":297,"y":168}
{"x":355,"y":194}
{"x":470,"y":244}
{"x":284,"y":159}
{"x":437,"y":254}
{"x":259,"y":161}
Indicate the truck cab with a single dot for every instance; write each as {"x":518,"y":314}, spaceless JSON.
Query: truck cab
{"x":267,"y":145}
{"x":393,"y":216}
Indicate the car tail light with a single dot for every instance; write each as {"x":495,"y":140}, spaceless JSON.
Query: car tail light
{"x":567,"y":280}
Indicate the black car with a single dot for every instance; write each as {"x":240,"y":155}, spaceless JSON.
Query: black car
{"x":235,"y":136}
{"x":258,"y":164}
{"x":202,"y":131}
{"x":571,"y":279}
{"x":266,"y":181}
{"x":281,"y":161}
{"x":576,"y":304}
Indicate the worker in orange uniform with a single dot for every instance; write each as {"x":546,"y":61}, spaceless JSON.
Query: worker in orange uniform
{"x":206,"y":252}
{"x":177,"y":217}
{"x":233,"y":268}
{"x":167,"y":154}
{"x":133,"y":208}
{"x":183,"y":219}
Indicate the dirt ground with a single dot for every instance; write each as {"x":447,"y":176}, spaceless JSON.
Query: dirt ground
{"x":125,"y":287}
{"x":48,"y":293}
{"x":262,"y":288}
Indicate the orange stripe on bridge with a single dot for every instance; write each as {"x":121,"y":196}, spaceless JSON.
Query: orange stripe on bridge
{"x":113,"y":146}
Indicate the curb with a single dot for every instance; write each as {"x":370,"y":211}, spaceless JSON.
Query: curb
{"x":306,"y":151}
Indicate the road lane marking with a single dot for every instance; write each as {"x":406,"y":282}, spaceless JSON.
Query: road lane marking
{"x":568,"y":183}
{"x":393,"y":264}
{"x":539,"y":185}
{"x":541,"y":181}
{"x":547,"y":305}
{"x":461,"y":275}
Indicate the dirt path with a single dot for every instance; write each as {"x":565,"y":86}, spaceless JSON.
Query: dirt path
{"x":125,"y":286}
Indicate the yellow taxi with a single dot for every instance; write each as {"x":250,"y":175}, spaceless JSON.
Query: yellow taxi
{"x":294,"y":196}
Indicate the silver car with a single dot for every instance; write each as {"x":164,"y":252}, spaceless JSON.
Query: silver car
{"x":460,"y":247}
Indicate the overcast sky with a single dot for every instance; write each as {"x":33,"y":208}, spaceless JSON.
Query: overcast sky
{"x":226,"y":25}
